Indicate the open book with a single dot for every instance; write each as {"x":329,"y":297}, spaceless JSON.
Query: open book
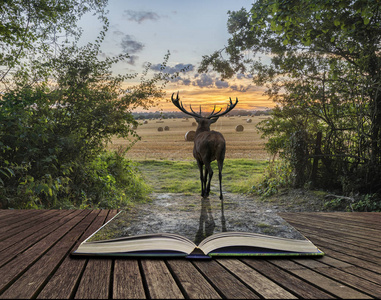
{"x":149,"y":230}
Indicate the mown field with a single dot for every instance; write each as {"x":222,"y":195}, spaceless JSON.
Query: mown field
{"x":171,"y":144}
{"x":166,"y":161}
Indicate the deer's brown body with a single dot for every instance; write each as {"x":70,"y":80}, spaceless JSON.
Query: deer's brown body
{"x":209,"y":145}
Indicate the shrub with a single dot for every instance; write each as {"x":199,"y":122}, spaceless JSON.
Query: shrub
{"x":110,"y":181}
{"x":277,"y":176}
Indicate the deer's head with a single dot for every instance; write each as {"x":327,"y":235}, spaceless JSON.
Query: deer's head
{"x":203,"y":122}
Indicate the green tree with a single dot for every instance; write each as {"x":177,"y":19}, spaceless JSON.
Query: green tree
{"x":60,"y":109}
{"x":324,"y":74}
{"x":30,"y":29}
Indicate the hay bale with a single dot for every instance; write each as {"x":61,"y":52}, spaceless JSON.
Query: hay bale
{"x":160,"y":129}
{"x":239,"y":128}
{"x":189,"y":136}
{"x":249,"y":120}
{"x":166,"y":128}
{"x":145,"y":122}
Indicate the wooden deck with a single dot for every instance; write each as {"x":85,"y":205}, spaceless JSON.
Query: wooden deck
{"x":35,"y":262}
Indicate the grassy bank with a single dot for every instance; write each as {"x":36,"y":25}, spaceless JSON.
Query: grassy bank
{"x":165,"y":176}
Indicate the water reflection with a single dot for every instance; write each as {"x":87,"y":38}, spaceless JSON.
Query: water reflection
{"x":207,"y":224}
{"x":196,"y":220}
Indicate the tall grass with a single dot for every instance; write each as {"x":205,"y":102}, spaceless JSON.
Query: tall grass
{"x":164,"y":176}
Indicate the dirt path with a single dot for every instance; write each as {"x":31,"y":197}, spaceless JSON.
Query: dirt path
{"x":196,"y":217}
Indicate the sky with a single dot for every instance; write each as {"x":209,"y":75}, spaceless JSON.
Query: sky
{"x":148,"y":29}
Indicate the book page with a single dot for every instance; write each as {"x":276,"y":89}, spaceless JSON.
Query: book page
{"x":196,"y":218}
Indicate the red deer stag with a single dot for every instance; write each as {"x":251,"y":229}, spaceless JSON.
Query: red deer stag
{"x":209,"y":145}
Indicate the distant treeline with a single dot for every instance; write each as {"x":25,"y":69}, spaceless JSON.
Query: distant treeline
{"x":175,"y":114}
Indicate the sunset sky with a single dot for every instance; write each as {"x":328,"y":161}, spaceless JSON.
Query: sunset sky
{"x":148,"y":29}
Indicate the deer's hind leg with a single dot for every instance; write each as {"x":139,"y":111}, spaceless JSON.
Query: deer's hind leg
{"x":220,"y":165}
{"x":200,"y":165}
{"x":208,"y":170}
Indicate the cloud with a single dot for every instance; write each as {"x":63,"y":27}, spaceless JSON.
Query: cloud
{"x":243,"y":76}
{"x":186,"y":81}
{"x":140,"y":16}
{"x":118,"y":32}
{"x":130,"y":45}
{"x":172,"y":70}
{"x":204,"y":81}
{"x":221,"y":84}
{"x":240,"y":88}
{"x":132,"y":59}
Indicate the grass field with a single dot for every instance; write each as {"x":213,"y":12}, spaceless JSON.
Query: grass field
{"x":166,"y":161}
{"x":167,"y":165}
{"x":171,"y":145}
{"x":166,"y":176}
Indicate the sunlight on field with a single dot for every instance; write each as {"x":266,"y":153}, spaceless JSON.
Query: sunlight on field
{"x":171,"y":145}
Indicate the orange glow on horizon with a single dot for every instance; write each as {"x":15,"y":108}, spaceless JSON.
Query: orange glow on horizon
{"x":208,"y":98}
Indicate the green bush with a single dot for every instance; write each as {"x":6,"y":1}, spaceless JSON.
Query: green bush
{"x":110,"y":181}
{"x":278,"y":174}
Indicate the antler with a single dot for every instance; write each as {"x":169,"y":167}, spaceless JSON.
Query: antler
{"x":213,"y":115}
{"x":229,"y":107}
{"x":180,"y":106}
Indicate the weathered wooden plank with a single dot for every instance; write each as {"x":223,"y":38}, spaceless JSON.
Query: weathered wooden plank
{"x":160,"y":283}
{"x":16,"y":225}
{"x":95,"y":282}
{"x":356,"y":251}
{"x":346,"y":237}
{"x":16,"y":244}
{"x":359,"y":219}
{"x":354,"y":236}
{"x":63,"y":283}
{"x":193,"y":283}
{"x":5,"y":212}
{"x":16,"y":216}
{"x":353,"y":247}
{"x":352,"y":260}
{"x":261,"y":284}
{"x":338,"y":230}
{"x":299,"y":287}
{"x":362,"y":284}
{"x":325,"y":283}
{"x":339,"y":226}
{"x":346,"y":271}
{"x":18,"y":220}
{"x":12,"y":270}
{"x":223,"y":281}
{"x":127,"y":281}
{"x":28,"y":285}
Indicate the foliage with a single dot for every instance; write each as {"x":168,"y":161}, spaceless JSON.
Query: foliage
{"x":323,"y":74}
{"x":52,"y":154}
{"x":368,"y":202}
{"x":59,"y":110}
{"x":111,"y":181}
{"x":31,"y":30}
{"x":277,"y":175}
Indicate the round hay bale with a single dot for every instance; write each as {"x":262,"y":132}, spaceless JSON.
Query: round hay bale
{"x":160,"y":129}
{"x":145,"y":122}
{"x":134,"y":127}
{"x":194,"y":124}
{"x":166,"y":128}
{"x":189,"y":136}
{"x":249,"y":120}
{"x":239,"y":128}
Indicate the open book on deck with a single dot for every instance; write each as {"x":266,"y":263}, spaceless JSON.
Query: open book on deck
{"x":135,"y":233}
